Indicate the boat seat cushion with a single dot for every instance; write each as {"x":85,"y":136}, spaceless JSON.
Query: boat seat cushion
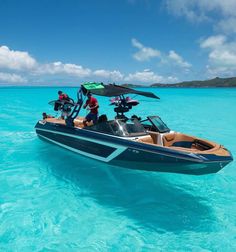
{"x":146,"y":139}
{"x":169,"y":137}
{"x":178,"y":140}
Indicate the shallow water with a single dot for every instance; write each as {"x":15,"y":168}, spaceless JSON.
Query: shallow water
{"x":54,"y":200}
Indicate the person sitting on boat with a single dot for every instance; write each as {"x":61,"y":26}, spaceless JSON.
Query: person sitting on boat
{"x":93,"y":106}
{"x":102,"y":118}
{"x":63,"y":96}
{"x":45,"y":116}
{"x":62,"y":99}
{"x":133,"y":117}
{"x":64,"y":104}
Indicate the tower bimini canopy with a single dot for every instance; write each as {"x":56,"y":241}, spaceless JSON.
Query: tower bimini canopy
{"x":112,"y":90}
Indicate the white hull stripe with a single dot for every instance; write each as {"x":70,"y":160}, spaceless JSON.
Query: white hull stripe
{"x":114,"y":154}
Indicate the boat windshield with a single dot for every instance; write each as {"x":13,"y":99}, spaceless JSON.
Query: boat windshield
{"x":130,"y":128}
{"x":154,"y":123}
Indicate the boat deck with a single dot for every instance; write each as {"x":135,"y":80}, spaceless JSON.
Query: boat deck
{"x":78,"y":121}
{"x":168,"y":140}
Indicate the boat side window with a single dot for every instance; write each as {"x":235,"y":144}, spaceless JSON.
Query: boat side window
{"x":112,"y":127}
{"x":119,"y":128}
{"x":103,"y":127}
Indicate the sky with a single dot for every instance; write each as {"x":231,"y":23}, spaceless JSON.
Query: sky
{"x":67,"y":42}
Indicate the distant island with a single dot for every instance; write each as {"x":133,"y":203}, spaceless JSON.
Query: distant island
{"x":216,"y":82}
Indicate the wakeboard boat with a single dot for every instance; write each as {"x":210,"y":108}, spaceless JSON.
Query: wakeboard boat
{"x":132,"y":143}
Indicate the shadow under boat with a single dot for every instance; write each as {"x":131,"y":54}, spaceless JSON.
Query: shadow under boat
{"x":148,"y":198}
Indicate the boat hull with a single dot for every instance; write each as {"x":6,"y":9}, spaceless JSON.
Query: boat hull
{"x":129,"y":154}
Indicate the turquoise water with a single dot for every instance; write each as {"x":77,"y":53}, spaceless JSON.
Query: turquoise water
{"x":54,"y":200}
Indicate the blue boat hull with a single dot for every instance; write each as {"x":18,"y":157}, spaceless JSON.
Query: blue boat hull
{"x":130,"y":154}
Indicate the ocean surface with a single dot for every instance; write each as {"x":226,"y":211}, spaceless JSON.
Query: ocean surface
{"x":52,"y":199}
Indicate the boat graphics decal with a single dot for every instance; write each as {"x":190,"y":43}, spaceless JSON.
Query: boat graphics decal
{"x":92,"y":148}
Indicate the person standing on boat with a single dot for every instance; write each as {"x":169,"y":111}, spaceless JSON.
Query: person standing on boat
{"x":93,"y":106}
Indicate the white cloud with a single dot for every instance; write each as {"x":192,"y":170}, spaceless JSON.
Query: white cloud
{"x":186,"y":8}
{"x":213,"y":41}
{"x":178,"y":60}
{"x":221,"y":55}
{"x":215,"y":71}
{"x":220,"y":13}
{"x":144,"y":53}
{"x":109,"y":75}
{"x":221,"y":52}
{"x":11,"y":78}
{"x":222,"y":16}
{"x":227,"y":25}
{"x":224,"y":57}
{"x":15,"y":60}
{"x":19,"y":61}
{"x":22,"y":61}
{"x":61,"y":68}
{"x":148,"y":76}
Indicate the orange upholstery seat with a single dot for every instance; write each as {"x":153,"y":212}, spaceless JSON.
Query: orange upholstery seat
{"x":171,"y":138}
{"x":168,"y":139}
{"x":146,"y":139}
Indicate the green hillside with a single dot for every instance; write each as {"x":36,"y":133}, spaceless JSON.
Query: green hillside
{"x":216,"y":82}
